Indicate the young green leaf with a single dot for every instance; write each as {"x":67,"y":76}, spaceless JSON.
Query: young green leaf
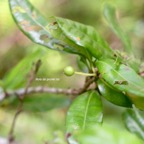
{"x":42,"y":31}
{"x":86,"y":37}
{"x":18,"y":76}
{"x":84,"y":112}
{"x":83,"y":64}
{"x":134,"y":121}
{"x":127,"y":59}
{"x":110,"y":15}
{"x":112,"y":95}
{"x":112,"y":72}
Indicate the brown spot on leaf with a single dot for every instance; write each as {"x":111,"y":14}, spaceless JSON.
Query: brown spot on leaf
{"x":34,"y":14}
{"x":43,"y":37}
{"x":78,"y":38}
{"x":32,"y":28}
{"x":121,"y":82}
{"x":54,"y":23}
{"x":24,"y":23}
{"x":18,"y":9}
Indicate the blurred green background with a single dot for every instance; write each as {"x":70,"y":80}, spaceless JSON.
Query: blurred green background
{"x":14,"y":46}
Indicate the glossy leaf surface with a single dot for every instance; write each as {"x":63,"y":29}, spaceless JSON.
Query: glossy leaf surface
{"x":86,"y":37}
{"x":134,"y":121}
{"x":39,"y":30}
{"x":84,"y":112}
{"x":110,"y":15}
{"x":112,"y":95}
{"x":113,"y":73}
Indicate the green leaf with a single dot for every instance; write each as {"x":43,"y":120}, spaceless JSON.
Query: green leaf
{"x":84,"y":112}
{"x":18,"y":76}
{"x":134,"y":121}
{"x":83,"y":64}
{"x":110,"y":15}
{"x":115,"y":74}
{"x":131,"y":61}
{"x":112,"y":95}
{"x":106,"y":134}
{"x":86,"y":37}
{"x":41,"y":31}
{"x":40,"y":102}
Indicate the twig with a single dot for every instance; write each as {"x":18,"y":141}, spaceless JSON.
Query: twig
{"x":11,"y":137}
{"x":41,"y":89}
{"x":32,"y":75}
{"x":21,"y":96}
{"x":87,"y":84}
{"x":22,"y":92}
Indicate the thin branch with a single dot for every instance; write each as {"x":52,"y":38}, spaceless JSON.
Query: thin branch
{"x":41,"y":89}
{"x":11,"y":137}
{"x":87,"y":84}
{"x":21,"y":96}
{"x":32,"y":75}
{"x":22,"y":92}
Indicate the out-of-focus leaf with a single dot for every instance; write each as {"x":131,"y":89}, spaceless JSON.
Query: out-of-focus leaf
{"x":134,"y":121}
{"x":18,"y":76}
{"x":42,"y":31}
{"x":123,"y":78}
{"x":106,"y":134}
{"x":110,"y":15}
{"x":82,"y":64}
{"x":84,"y":112}
{"x":112,"y":95}
{"x":59,"y":138}
{"x":131,"y":61}
{"x":1,"y":83}
{"x":41,"y":102}
{"x":86,"y":37}
{"x":134,"y":64}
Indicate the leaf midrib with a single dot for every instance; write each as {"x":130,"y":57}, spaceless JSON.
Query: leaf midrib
{"x":94,"y":41}
{"x":139,"y":88}
{"x":86,"y":110}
